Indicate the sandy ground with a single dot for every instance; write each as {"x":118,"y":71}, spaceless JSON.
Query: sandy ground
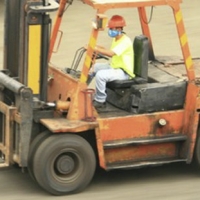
{"x":177,"y":181}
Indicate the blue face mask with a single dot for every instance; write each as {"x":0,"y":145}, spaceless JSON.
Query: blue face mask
{"x":114,"y":33}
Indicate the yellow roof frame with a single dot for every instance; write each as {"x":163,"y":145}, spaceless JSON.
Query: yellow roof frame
{"x":103,"y":5}
{"x":110,"y":4}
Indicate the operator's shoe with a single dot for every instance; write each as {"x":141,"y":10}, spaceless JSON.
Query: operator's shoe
{"x":90,"y":78}
{"x":98,"y":105}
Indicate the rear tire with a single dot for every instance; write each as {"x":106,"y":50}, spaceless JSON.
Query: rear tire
{"x":64,"y":164}
{"x":197,"y":151}
{"x":196,"y":156}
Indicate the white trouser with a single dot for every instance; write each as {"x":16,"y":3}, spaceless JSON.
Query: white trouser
{"x":105,"y":73}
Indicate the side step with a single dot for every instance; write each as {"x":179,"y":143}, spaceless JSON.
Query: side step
{"x":2,"y":164}
{"x":134,"y":164}
{"x":144,"y":141}
{"x":4,"y":151}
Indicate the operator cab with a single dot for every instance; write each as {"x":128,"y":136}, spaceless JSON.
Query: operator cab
{"x":146,"y":92}
{"x":153,"y":89}
{"x":158,"y":89}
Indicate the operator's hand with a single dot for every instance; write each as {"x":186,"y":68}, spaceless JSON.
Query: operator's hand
{"x":85,"y":47}
{"x":95,"y":49}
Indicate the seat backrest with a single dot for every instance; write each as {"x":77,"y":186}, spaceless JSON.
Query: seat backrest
{"x":141,"y":56}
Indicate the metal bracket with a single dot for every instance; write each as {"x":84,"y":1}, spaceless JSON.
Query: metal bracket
{"x":52,"y":6}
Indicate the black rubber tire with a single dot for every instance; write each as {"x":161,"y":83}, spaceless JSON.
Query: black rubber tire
{"x":33,"y":147}
{"x":64,"y":164}
{"x":196,"y":158}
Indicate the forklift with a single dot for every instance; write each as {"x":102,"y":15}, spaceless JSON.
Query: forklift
{"x":47,"y":119}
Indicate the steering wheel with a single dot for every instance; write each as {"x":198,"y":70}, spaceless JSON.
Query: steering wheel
{"x":101,"y":56}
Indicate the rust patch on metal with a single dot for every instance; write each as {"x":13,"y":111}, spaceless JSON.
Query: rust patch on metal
{"x":57,"y":125}
{"x":141,"y":126}
{"x":138,"y":153}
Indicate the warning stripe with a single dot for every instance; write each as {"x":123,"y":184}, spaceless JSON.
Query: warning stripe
{"x":184,"y":43}
{"x":184,"y":40}
{"x":88,"y":58}
{"x":179,"y":16}
{"x":83,"y":78}
{"x":88,"y":61}
{"x":189,"y":61}
{"x":34,"y":54}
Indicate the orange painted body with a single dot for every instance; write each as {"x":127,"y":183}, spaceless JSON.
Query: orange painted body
{"x":117,"y":136}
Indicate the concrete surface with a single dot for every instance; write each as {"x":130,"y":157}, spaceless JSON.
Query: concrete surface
{"x":170,"y":182}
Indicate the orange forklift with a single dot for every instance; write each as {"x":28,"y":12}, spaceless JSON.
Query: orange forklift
{"x":48,"y":123}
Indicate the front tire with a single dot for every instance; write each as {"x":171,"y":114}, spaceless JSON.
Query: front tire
{"x":33,"y":148}
{"x":64,"y":164}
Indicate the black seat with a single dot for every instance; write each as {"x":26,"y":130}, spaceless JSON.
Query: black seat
{"x":141,"y":55}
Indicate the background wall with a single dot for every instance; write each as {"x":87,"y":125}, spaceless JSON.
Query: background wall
{"x":76,"y":28}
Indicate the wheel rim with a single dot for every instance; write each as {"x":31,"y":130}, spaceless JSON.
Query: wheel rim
{"x":67,"y":166}
{"x":64,"y":164}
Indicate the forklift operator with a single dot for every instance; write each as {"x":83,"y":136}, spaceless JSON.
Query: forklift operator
{"x":121,"y":66}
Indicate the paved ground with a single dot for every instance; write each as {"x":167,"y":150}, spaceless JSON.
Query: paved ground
{"x":169,"y":182}
{"x":177,"y":181}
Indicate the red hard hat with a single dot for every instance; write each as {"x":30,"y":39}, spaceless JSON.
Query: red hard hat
{"x":116,"y":21}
